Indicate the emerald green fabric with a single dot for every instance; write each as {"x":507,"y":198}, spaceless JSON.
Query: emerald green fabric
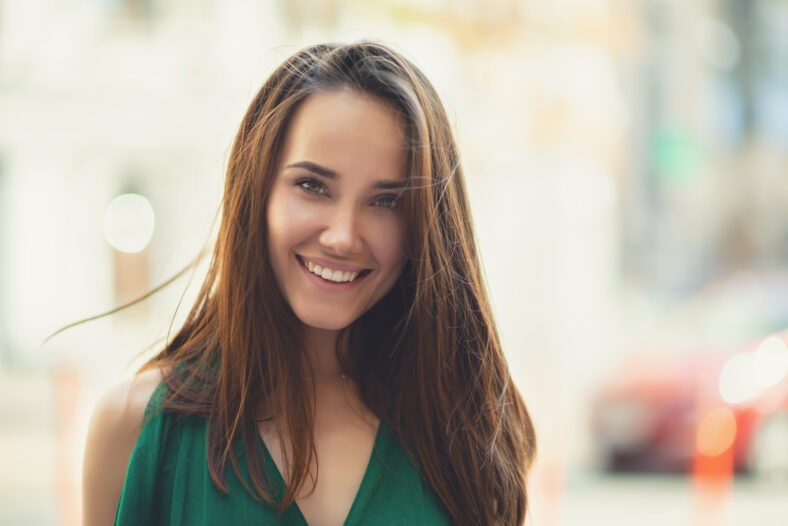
{"x":167,"y":482}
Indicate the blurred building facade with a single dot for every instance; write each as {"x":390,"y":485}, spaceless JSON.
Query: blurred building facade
{"x":709,"y":185}
{"x":616,"y":152}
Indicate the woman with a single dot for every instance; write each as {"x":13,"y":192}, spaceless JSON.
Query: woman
{"x":341,"y":364}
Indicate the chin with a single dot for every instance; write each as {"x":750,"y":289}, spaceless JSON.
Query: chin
{"x":326,"y":323}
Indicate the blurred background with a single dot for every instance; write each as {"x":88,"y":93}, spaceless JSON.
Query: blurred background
{"x":628,"y":171}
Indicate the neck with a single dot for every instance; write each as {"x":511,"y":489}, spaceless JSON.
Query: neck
{"x":321,"y":346}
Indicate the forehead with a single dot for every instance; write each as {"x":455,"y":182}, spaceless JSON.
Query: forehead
{"x":348,"y":132}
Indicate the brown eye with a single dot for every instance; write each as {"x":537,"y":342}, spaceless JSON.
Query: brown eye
{"x":311,"y":186}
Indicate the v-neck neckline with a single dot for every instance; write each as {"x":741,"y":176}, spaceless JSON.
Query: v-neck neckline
{"x":361,"y":494}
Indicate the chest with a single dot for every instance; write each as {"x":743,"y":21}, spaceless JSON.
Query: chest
{"x":343,"y":448}
{"x":168,"y":482}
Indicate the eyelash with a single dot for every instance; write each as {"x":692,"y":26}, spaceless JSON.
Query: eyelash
{"x":319,"y":189}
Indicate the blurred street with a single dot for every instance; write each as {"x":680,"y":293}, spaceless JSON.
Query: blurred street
{"x":645,"y":499}
{"x":32,"y":494}
{"x":625,"y":163}
{"x":28,"y":440}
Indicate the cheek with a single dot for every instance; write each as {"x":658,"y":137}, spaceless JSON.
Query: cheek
{"x":288,"y":223}
{"x":389,"y":247}
{"x":275,"y":226}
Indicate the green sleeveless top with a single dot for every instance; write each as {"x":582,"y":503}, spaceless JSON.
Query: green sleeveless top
{"x":167,"y":482}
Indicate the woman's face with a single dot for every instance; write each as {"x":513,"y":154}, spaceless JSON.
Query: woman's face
{"x":335,"y":231}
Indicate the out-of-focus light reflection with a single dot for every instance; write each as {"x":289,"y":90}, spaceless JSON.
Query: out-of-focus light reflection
{"x":716,"y":432}
{"x":770,"y":362}
{"x":128,"y":223}
{"x":736,"y":379}
{"x":717,"y":44}
{"x":677,"y":154}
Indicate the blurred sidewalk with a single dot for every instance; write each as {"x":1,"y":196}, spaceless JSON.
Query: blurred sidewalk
{"x":29,"y":442}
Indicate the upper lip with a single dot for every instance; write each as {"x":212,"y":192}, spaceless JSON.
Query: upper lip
{"x":325,"y":263}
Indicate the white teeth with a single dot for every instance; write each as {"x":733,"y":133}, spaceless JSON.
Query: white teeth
{"x":332,"y":275}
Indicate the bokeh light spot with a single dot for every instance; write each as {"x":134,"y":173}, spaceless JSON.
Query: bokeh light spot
{"x":716,"y":432}
{"x":770,"y":364}
{"x":736,"y":383}
{"x":129,"y":223}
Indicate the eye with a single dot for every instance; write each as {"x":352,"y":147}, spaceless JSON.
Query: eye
{"x":387,"y":201}
{"x":311,"y":186}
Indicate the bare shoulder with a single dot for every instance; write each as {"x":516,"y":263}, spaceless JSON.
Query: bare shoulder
{"x":114,"y":428}
{"x":124,"y":403}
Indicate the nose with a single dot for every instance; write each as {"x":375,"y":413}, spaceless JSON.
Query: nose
{"x":341,"y":235}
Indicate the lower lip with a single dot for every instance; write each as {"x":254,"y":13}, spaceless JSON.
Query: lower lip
{"x":331,"y":286}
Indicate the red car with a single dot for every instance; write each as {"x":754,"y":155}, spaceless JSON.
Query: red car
{"x":661,"y":410}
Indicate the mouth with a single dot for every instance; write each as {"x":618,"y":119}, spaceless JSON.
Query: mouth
{"x":333,"y":275}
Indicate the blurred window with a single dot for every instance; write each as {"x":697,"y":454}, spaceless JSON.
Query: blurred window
{"x":770,"y":52}
{"x":5,"y":351}
{"x":133,"y":9}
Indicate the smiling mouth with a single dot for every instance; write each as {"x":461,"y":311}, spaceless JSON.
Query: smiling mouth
{"x":332,"y":275}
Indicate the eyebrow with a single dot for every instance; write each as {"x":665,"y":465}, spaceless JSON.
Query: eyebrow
{"x":330,"y":174}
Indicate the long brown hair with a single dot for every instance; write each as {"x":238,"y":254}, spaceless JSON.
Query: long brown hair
{"x":427,"y":358}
